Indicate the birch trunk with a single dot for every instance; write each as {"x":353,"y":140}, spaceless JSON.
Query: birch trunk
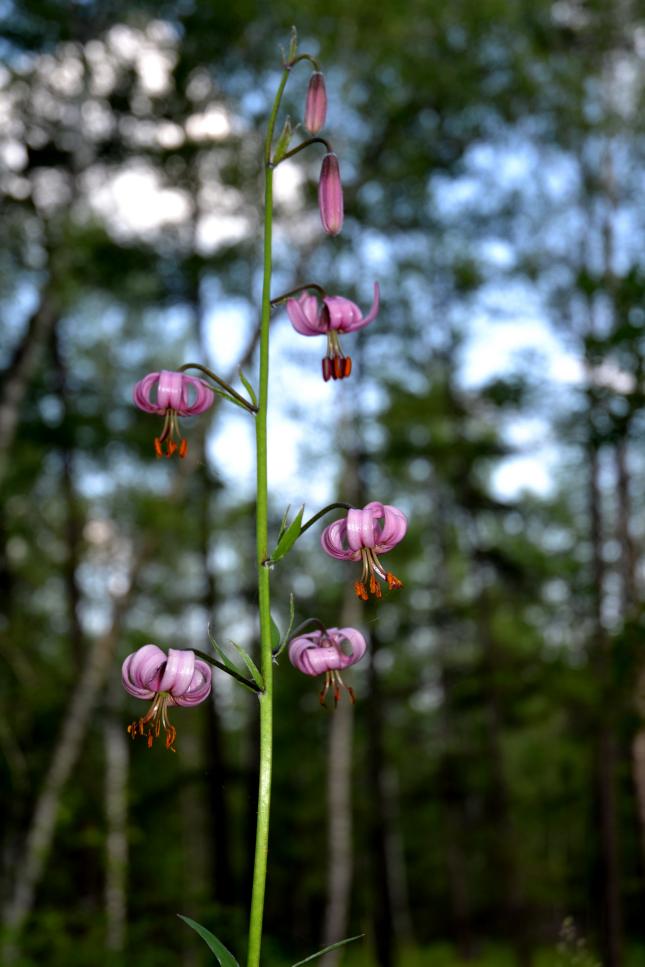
{"x":38,"y":843}
{"x":117,"y":760}
{"x":21,"y":369}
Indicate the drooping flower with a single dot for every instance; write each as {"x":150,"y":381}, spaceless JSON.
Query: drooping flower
{"x":330,"y":195}
{"x":362,"y":536}
{"x":176,"y":679}
{"x":316,"y":103}
{"x":335,"y":315}
{"x":324,"y":652}
{"x":177,"y":395}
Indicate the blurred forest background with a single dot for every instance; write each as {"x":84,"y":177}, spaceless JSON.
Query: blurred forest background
{"x":485,"y":799}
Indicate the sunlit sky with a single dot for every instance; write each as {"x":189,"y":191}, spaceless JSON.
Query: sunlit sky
{"x":133,"y":202}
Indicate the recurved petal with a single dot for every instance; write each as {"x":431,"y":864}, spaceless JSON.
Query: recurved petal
{"x":304,"y":315}
{"x":178,"y":672}
{"x":361,"y":527}
{"x":204,"y":396}
{"x":141,"y":394}
{"x":342,"y":312}
{"x":332,"y":541}
{"x":199,"y":687}
{"x":357,"y":643}
{"x":143,"y":670}
{"x":359,"y":323}
{"x":170,"y":390}
{"x":395,"y":525}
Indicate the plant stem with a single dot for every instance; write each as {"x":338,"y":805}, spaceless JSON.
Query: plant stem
{"x":264,"y":592}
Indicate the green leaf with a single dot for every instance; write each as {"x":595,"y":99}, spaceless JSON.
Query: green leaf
{"x":277,"y":649}
{"x":232,"y":668}
{"x":289,"y":537}
{"x":224,"y":956}
{"x":250,"y":664}
{"x":283,"y":522}
{"x":249,"y":389}
{"x":275,"y":635}
{"x":283,"y":142}
{"x":325,"y":950}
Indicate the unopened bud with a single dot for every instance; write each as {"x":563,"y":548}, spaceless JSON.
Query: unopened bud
{"x":330,"y":195}
{"x":316,"y":103}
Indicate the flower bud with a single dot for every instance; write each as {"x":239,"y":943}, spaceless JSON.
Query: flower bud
{"x":330,"y":195}
{"x":316,"y":103}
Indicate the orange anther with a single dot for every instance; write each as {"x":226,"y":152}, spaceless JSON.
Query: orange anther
{"x":359,"y":590}
{"x":183,"y":448}
{"x":171,"y":446}
{"x":347,"y":369}
{"x":337,"y":364}
{"x":158,"y":449}
{"x":392,"y":581}
{"x":375,"y":587}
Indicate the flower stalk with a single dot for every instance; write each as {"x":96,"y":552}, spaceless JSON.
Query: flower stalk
{"x":264,"y":574}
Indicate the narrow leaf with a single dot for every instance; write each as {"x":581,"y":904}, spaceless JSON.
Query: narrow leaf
{"x":225,"y":957}
{"x":275,"y":635}
{"x":249,"y":389}
{"x":289,"y":537}
{"x":325,"y":950}
{"x":250,"y":664}
{"x":230,"y":666}
{"x":283,"y":522}
{"x":277,"y":649}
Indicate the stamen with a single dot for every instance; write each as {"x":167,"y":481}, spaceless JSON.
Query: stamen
{"x":326,"y":369}
{"x":338,"y":367}
{"x":375,"y":587}
{"x":392,"y":581}
{"x":171,"y":446}
{"x":183,"y":448}
{"x":352,"y":696}
{"x":158,"y":449}
{"x":360,"y":591}
{"x":347,"y":368}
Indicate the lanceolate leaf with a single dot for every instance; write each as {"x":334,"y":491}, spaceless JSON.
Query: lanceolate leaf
{"x":250,"y":664}
{"x":325,"y":950}
{"x":224,"y":956}
{"x":275,"y":636}
{"x":249,"y":389}
{"x":289,"y":537}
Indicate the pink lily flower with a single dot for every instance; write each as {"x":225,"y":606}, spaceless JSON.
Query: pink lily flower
{"x":316,"y":103}
{"x":322,"y":652}
{"x":335,"y":315}
{"x":330,"y":195}
{"x":176,"y":679}
{"x":362,"y":536}
{"x":173,"y":399}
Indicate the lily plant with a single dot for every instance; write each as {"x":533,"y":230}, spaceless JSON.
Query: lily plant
{"x":183,"y":677}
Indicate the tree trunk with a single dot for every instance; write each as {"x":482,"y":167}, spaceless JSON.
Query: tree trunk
{"x":339,"y":811}
{"x":117,"y":759}
{"x":73,"y":521}
{"x":611,"y":920}
{"x":20,"y":371}
{"x":38,"y":843}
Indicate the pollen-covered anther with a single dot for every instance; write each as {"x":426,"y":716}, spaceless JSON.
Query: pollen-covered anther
{"x":393,"y":582}
{"x":360,"y":591}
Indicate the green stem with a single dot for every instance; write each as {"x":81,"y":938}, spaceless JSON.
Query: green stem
{"x":264,"y":574}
